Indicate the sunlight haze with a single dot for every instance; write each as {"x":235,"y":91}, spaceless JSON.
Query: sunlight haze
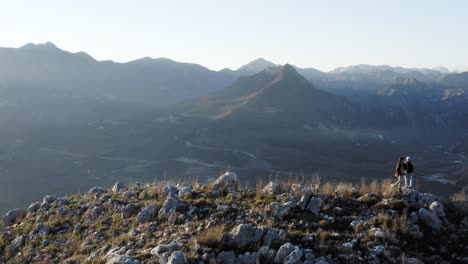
{"x":320,"y":34}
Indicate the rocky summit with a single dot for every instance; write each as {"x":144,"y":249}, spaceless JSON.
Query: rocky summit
{"x":275,"y":222}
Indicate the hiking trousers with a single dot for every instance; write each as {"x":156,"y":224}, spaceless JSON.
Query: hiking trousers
{"x":408,"y":180}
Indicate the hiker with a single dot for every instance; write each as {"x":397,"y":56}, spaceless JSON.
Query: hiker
{"x":399,"y":172}
{"x":408,"y":168}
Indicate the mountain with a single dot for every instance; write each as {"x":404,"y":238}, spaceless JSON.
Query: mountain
{"x":148,"y":82}
{"x":274,"y":92}
{"x":254,"y":67}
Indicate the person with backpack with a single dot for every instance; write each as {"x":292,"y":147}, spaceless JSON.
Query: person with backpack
{"x":409,"y":169}
{"x":399,"y":172}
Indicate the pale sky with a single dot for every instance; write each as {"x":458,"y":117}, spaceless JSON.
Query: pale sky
{"x":219,"y":34}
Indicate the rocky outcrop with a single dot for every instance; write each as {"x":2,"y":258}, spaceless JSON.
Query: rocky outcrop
{"x":181,"y":223}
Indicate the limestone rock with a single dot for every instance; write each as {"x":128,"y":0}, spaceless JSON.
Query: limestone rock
{"x":283,"y":252}
{"x":227,"y":257}
{"x":13,"y":216}
{"x":147,"y":214}
{"x":226,"y":183}
{"x":177,"y":258}
{"x":437,"y":208}
{"x":430,"y":220}
{"x":271,"y":188}
{"x":118,"y":187}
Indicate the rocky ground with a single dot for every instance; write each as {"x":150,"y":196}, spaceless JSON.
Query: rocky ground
{"x":277,"y":222}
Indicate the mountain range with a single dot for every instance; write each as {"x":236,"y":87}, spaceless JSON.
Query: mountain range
{"x":68,"y":117}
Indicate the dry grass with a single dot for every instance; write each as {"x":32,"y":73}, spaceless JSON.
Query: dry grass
{"x":212,"y":236}
{"x":345,"y":189}
{"x":401,"y":225}
{"x":327,"y":189}
{"x":461,"y":196}
{"x":387,"y":189}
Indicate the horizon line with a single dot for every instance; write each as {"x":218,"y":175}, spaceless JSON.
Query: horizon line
{"x":461,"y":69}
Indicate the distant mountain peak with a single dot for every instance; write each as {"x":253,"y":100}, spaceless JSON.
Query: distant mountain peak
{"x":255,"y":66}
{"x":48,"y":45}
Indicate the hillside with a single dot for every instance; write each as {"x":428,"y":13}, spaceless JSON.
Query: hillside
{"x":278,"y":222}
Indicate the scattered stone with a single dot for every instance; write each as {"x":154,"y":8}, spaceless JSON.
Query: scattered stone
{"x":97,"y":191}
{"x":245,"y":234}
{"x":377,"y":250}
{"x":247,"y":258}
{"x":283,"y":252}
{"x":48,"y":199}
{"x":177,"y":258}
{"x":272,"y":188}
{"x":147,"y":214}
{"x":438,"y":209}
{"x":226,"y":183}
{"x":227,"y":257}
{"x":314,"y":205}
{"x":34,"y":207}
{"x":118,"y":187}
{"x":15,"y":245}
{"x":430,"y":220}
{"x":277,"y":210}
{"x":295,"y":256}
{"x":169,"y":206}
{"x":13,"y":216}
{"x":128,"y":210}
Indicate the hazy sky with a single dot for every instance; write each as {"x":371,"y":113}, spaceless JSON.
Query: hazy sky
{"x":219,"y":34}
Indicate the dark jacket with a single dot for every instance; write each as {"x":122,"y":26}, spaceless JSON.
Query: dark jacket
{"x":409,"y":167}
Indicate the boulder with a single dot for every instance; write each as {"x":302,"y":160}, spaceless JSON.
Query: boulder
{"x":412,"y":261}
{"x":273,"y":237}
{"x":147,"y":214}
{"x":438,"y":209}
{"x":414,"y":217}
{"x":121,"y":259}
{"x":314,"y":205}
{"x":15,"y":245}
{"x":128,"y":210}
{"x":177,"y":258}
{"x":96,"y":190}
{"x":284,"y":251}
{"x":13,"y":216}
{"x":244,"y":234}
{"x":118,"y":187}
{"x":49,"y":199}
{"x":169,"y":206}
{"x":377,"y":250}
{"x":295,"y":256}
{"x":272,"y":188}
{"x":247,"y":258}
{"x":226,"y":183}
{"x":184,"y":191}
{"x":430,"y":220}
{"x":305,"y":198}
{"x":277,"y":210}
{"x":159,"y":249}
{"x":227,"y":257}
{"x":266,"y":255}
{"x":34,"y":207}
